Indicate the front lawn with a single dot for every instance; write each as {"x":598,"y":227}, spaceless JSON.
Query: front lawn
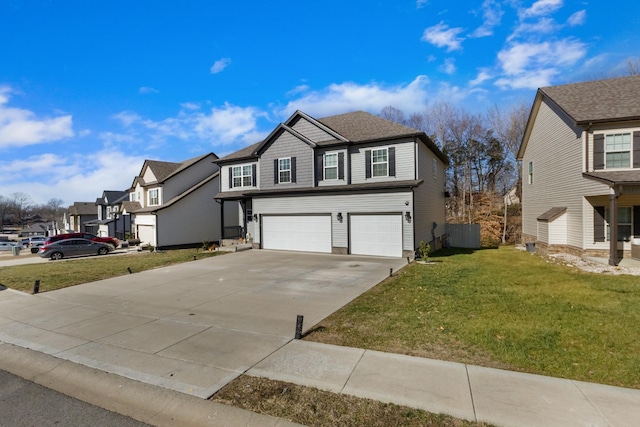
{"x":61,"y":274}
{"x":501,"y":308}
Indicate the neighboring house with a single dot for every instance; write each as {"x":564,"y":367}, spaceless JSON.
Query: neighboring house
{"x":79,"y":214}
{"x":108,"y":208}
{"x":581,"y":168}
{"x":172,"y":203}
{"x":349,"y":184}
{"x":37,"y":229}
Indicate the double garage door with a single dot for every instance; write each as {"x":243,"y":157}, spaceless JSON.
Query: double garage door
{"x":379,"y":235}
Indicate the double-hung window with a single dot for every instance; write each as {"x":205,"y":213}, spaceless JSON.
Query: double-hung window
{"x":618,"y":150}
{"x":284,"y":170}
{"x":242,"y":176}
{"x":154,"y":197}
{"x":625,"y":223}
{"x":331,"y":166}
{"x":379,"y":162}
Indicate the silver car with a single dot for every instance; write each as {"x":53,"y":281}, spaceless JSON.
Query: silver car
{"x":8,"y":246}
{"x":73,"y":247}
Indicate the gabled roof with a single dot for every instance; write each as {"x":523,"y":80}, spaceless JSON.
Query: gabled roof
{"x":350,"y":128}
{"x":165,"y":170}
{"x":83,"y":208}
{"x":586,"y":103}
{"x":112,"y":197}
{"x":179,"y":196}
{"x":130,"y":206}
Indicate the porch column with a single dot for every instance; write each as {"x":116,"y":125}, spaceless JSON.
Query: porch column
{"x":613,"y":227}
{"x":221,"y":221}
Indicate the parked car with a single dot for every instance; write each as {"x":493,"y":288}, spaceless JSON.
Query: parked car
{"x":33,"y":241}
{"x":73,"y":247}
{"x":110,"y":240}
{"x":8,"y":246}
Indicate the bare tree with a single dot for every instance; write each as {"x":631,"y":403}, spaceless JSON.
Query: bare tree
{"x":21,"y":205}
{"x":392,"y":114}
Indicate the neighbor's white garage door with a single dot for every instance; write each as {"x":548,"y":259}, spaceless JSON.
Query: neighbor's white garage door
{"x":376,"y":235}
{"x":310,"y":233}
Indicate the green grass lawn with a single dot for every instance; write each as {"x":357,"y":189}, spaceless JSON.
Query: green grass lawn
{"x":61,"y":274}
{"x":501,"y":308}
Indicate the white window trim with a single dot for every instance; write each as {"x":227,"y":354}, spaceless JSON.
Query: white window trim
{"x":281,"y":170}
{"x":149,"y":202}
{"x":325,"y":167}
{"x":242,"y":175}
{"x":374,"y":163}
{"x":629,"y":150}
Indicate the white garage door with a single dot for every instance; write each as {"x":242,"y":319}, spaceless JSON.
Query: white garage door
{"x":147,"y":234}
{"x":309,"y":233}
{"x":376,"y":235}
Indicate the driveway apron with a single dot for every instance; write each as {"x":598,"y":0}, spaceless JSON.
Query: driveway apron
{"x":191,"y":327}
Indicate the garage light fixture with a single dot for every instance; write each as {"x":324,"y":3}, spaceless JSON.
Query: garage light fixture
{"x":339,"y":216}
{"x":407,"y":216}
{"x":255,"y":217}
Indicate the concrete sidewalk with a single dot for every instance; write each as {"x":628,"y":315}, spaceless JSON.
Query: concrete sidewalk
{"x":473,"y":393}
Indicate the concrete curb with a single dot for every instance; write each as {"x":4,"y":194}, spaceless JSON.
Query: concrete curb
{"x":147,"y":403}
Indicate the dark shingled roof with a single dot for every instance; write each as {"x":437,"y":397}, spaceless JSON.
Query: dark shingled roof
{"x":131,"y":206}
{"x":599,"y":100}
{"x":83,"y":208}
{"x":552,"y":214}
{"x":628,"y":177}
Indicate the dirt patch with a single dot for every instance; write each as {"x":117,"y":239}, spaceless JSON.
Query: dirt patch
{"x":313,"y":407}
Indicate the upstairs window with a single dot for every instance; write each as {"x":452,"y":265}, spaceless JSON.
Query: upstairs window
{"x":618,"y":150}
{"x":154,"y":197}
{"x":530,"y":172}
{"x":331,"y":166}
{"x":284,"y":170}
{"x":242,"y":176}
{"x":379,"y":162}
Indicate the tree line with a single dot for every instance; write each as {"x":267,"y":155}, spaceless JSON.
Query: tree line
{"x":18,"y":208}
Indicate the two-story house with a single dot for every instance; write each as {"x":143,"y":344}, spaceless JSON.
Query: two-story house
{"x":79,"y":214}
{"x":110,"y":222}
{"x":581,"y":168}
{"x":176,"y":204}
{"x":349,"y":184}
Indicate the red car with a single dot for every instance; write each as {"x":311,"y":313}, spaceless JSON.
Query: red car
{"x":110,"y":240}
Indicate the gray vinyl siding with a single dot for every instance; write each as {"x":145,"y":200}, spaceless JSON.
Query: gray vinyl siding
{"x":330,"y":182}
{"x":429,"y":200}
{"x":557,"y":152}
{"x":311,"y":131}
{"x":188,"y":177}
{"x":224,"y":176}
{"x":287,"y":145}
{"x":405,"y":165}
{"x":344,"y":203}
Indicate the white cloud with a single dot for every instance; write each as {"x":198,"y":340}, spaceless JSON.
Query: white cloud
{"x":525,"y":57}
{"x":441,"y":35}
{"x":542,"y":26}
{"x":421,"y":3}
{"x":482,"y":76}
{"x":528,"y":80}
{"x":190,"y":106}
{"x":449,"y":66}
{"x":220,"y":65}
{"x":577,"y":18}
{"x":146,"y":90}
{"x":541,"y":8}
{"x":20,"y":127}
{"x":228,"y":124}
{"x":349,"y":96}
{"x":492,"y":14}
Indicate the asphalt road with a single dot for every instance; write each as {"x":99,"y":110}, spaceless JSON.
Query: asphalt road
{"x":27,"y":404}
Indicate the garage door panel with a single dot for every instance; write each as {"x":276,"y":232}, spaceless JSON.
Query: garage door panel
{"x":379,"y":235}
{"x":309,"y":233}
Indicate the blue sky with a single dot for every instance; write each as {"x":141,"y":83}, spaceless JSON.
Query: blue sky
{"x":88,"y":90}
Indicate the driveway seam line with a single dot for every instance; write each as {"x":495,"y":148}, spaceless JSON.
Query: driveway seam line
{"x":352,"y":372}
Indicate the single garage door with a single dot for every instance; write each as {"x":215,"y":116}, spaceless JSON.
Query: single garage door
{"x":379,"y":235}
{"x":147,"y":234}
{"x":309,"y":233}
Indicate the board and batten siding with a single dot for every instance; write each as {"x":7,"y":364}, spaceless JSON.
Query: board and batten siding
{"x":405,"y":164}
{"x":343,"y":203}
{"x":429,"y":201}
{"x":188,"y":177}
{"x":224,"y":176}
{"x":287,"y":145}
{"x":311,"y":131}
{"x":557,"y":152}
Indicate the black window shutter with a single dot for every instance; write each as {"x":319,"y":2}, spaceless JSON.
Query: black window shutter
{"x":230,"y":177}
{"x":598,"y":151}
{"x":340,"y":165}
{"x":293,"y":169}
{"x":636,"y":150}
{"x":319,"y":170}
{"x":367,"y":164}
{"x":254,"y":180}
{"x":275,"y":171}
{"x":636,"y":221}
{"x":598,"y":224}
{"x":392,"y":161}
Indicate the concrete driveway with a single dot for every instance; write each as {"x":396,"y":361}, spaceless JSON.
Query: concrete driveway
{"x":192,"y":327}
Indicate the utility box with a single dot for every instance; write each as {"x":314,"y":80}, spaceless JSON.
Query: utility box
{"x":16,"y":250}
